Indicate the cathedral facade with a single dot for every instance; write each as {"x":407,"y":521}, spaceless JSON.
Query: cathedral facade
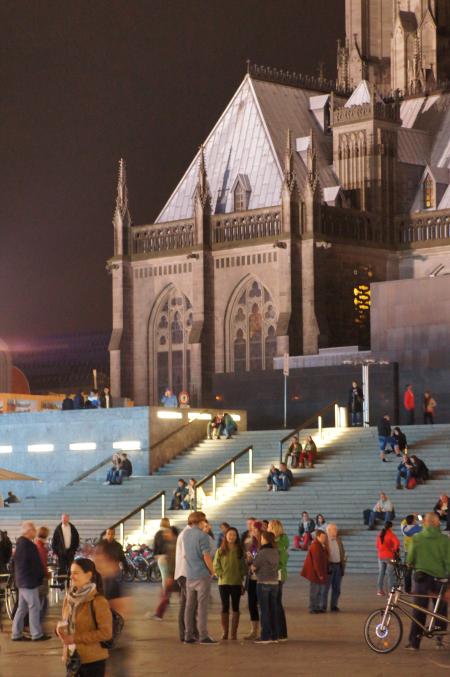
{"x":305,"y":193}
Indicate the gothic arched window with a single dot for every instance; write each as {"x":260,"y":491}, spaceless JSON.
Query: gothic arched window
{"x":428,"y":192}
{"x":173,"y":322}
{"x":253,"y":335}
{"x":241,"y":193}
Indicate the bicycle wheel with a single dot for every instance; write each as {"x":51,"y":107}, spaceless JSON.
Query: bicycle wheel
{"x":128,"y":575}
{"x":11,"y":602}
{"x":154,"y":573}
{"x":383,"y":639}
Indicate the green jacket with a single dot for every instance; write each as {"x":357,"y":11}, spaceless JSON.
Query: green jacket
{"x":283,"y":547}
{"x":229,"y":567}
{"x":429,"y":552}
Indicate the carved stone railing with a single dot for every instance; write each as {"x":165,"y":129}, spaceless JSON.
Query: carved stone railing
{"x":366,"y":111}
{"x":163,"y":237}
{"x":350,"y":224}
{"x":293,"y":79}
{"x":423,"y":227}
{"x":246,"y":226}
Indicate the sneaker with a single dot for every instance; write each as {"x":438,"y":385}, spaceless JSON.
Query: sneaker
{"x":410,"y":647}
{"x":155,"y":617}
{"x":283,"y":639}
{"x":43,"y":638}
{"x":334,"y":608}
{"x":380,"y":593}
{"x":384,"y":460}
{"x":21,"y":639}
{"x":263,"y":641}
{"x":209,"y":640}
{"x":190,"y":641}
{"x":106,"y":483}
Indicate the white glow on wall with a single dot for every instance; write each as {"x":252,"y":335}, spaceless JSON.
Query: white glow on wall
{"x":235,"y":417}
{"x":127,"y":445}
{"x":5,"y":449}
{"x":82,"y":446}
{"x":169,"y":414}
{"x":192,"y":416}
{"x":41,"y":447}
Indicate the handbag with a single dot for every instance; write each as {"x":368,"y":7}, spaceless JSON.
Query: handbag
{"x":117,"y":626}
{"x":73,"y":664}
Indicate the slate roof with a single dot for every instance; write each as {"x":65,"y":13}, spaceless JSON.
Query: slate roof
{"x":250,"y":139}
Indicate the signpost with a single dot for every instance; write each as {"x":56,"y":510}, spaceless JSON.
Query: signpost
{"x":286,"y":374}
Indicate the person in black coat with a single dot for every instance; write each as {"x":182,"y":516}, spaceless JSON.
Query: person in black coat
{"x":5,"y":551}
{"x":78,"y":401}
{"x":355,"y":404}
{"x":400,"y":441}
{"x":106,"y":401}
{"x":28,"y":573}
{"x":67,"y":403}
{"x":65,"y":543}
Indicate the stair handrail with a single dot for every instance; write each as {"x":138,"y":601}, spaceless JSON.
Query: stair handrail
{"x":318,"y":415}
{"x":141,"y":508}
{"x":106,"y":460}
{"x":230,"y":463}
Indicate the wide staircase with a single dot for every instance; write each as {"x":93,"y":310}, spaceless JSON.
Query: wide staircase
{"x":347,"y":479}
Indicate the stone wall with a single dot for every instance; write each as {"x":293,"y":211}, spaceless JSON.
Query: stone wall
{"x":57,"y":468}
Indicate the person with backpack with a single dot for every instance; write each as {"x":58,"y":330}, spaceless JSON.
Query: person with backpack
{"x":388,"y":547}
{"x":86,"y":629}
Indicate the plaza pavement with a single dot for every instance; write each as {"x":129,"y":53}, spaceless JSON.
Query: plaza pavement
{"x":329,"y":645}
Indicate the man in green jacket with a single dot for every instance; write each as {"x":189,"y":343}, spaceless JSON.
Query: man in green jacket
{"x":429,"y":556}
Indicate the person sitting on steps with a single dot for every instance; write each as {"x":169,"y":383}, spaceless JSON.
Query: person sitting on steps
{"x":294,"y":452}
{"x":442,"y":510}
{"x":309,"y":453}
{"x":382,"y":510}
{"x":405,"y":471}
{"x":179,"y":500}
{"x":306,"y":527}
{"x":400,"y":442}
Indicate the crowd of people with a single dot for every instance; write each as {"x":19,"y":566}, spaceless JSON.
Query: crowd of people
{"x":88,"y":400}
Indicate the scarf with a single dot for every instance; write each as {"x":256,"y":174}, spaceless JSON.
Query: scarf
{"x":75,"y":597}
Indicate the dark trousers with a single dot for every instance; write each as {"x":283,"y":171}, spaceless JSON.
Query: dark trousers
{"x":267,"y":599}
{"x":334,"y":582}
{"x":183,"y":597}
{"x":252,"y":600}
{"x":428,"y":417}
{"x":96,"y":669}
{"x":65,"y":560}
{"x":410,"y":417}
{"x":424,"y":584}
{"x":282,"y":627}
{"x":230,"y":591}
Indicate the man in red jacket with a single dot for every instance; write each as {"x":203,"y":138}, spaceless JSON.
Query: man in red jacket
{"x":315,"y":570}
{"x":409,"y":404}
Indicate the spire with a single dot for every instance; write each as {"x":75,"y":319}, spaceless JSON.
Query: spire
{"x":122,"y":191}
{"x":202,"y":182}
{"x":289,"y":176}
{"x":311,"y":164}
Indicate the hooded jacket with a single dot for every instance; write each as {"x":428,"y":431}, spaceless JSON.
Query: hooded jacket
{"x":430,"y":552}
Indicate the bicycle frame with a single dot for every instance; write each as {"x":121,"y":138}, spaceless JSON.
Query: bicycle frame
{"x":396,"y":600}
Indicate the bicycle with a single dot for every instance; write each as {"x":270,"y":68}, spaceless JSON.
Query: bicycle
{"x":383,"y":629}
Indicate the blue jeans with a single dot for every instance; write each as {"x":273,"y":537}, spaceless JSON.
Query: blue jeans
{"x":282,"y":627}
{"x":403,"y":474}
{"x":281,"y":482}
{"x":385,"y":568}
{"x":29,"y":603}
{"x":384,"y":441}
{"x":268,"y":604}
{"x":374,"y":516}
{"x":356,"y":417}
{"x":334,"y":582}
{"x":317,"y":596}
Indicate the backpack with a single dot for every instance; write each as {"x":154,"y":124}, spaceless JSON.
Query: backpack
{"x":117,"y":626}
{"x":412,"y":483}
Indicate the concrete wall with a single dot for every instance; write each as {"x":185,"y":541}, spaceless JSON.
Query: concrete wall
{"x":56,"y":468}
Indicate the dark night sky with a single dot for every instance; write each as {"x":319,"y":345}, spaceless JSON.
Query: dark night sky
{"x":84,"y":83}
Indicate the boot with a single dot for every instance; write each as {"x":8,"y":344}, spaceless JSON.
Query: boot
{"x":234,"y":624}
{"x":254,"y":632}
{"x":225,"y":619}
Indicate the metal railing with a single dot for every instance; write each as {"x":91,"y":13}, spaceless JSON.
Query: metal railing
{"x":141,"y":508}
{"x":213,"y":475}
{"x":306,"y":424}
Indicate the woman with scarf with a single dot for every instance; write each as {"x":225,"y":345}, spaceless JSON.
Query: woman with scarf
{"x":86,"y":622}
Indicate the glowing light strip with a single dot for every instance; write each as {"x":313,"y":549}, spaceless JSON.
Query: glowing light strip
{"x":82,"y":446}
{"x":169,"y":414}
{"x":127,"y":445}
{"x":5,"y":449}
{"x":41,"y":447}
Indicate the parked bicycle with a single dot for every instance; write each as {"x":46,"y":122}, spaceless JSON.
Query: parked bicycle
{"x":141,"y":564}
{"x":383,"y":629}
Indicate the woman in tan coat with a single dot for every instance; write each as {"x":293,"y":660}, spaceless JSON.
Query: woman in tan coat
{"x":86,"y":622}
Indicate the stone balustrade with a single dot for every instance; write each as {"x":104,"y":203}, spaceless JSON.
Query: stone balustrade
{"x":246,"y":226}
{"x":424,"y":227}
{"x":163,"y":237}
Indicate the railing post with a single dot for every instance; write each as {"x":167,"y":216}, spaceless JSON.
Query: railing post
{"x":336,"y":416}
{"x":233,"y":473}
{"x":281,"y":451}
{"x":142,"y":520}
{"x":319,"y":426}
{"x":163,"y":504}
{"x":214,"y":479}
{"x":122,"y":533}
{"x":195,"y":499}
{"x":250,"y":461}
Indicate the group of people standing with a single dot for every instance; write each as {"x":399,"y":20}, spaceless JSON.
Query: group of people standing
{"x":356,"y":405}
{"x":91,"y":400}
